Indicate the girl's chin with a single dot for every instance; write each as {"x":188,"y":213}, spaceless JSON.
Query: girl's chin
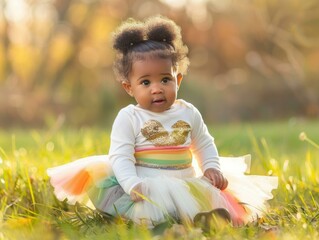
{"x":158,"y":107}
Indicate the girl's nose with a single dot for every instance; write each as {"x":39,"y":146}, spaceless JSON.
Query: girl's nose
{"x":156,"y":89}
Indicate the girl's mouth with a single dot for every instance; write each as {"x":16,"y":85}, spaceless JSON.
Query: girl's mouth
{"x":158,"y":101}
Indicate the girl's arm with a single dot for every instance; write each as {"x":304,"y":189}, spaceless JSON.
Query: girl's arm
{"x":121,"y":152}
{"x":205,"y":151}
{"x":203,"y":146}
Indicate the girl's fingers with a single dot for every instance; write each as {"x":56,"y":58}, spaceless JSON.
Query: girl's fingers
{"x":136,"y":193}
{"x":208,"y":180}
{"x":220,"y":181}
{"x":217,"y":180}
{"x":136,"y":198}
{"x":224,"y":185}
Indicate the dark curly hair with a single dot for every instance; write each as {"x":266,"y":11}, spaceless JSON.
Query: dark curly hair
{"x":157,"y":37}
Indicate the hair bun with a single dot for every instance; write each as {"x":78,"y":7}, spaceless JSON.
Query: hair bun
{"x":162,"y":30}
{"x":129,"y":34}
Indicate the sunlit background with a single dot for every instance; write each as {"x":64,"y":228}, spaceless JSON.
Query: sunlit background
{"x":250,"y":60}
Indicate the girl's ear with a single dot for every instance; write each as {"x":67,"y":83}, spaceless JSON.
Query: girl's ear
{"x":127,"y":87}
{"x":179,"y":79}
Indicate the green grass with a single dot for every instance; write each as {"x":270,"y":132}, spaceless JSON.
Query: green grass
{"x":28,"y":209}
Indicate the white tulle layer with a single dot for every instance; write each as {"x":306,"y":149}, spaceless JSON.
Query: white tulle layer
{"x":169,"y":193}
{"x":98,"y":166}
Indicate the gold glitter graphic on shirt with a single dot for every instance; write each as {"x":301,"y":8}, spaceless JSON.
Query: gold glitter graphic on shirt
{"x":155,"y":132}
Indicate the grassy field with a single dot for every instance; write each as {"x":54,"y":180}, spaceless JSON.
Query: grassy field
{"x":28,"y":209}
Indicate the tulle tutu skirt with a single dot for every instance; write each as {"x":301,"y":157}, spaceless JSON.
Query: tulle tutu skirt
{"x":177,"y":194}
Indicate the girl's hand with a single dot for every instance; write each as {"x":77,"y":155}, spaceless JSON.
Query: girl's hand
{"x":136,"y":193}
{"x":216,"y":178}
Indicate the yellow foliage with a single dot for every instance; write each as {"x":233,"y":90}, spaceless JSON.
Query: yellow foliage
{"x":24,"y":60}
{"x":60,"y":50}
{"x":101,"y":28}
{"x":2,"y":63}
{"x":77,"y":13}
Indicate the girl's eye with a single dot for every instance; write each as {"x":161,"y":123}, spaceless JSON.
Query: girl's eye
{"x":145,"y":82}
{"x":165,"y":80}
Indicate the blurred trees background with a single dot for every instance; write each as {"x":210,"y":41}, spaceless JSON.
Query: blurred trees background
{"x":250,"y":60}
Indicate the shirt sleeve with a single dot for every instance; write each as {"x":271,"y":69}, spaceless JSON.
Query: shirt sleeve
{"x":203,"y":146}
{"x":121,"y":152}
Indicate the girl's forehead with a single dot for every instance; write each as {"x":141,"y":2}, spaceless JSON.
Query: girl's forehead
{"x":151,"y":66}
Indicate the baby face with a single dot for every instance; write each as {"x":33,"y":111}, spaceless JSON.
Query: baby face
{"x":153,"y":83}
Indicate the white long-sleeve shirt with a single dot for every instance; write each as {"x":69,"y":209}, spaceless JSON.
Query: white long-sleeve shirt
{"x":136,"y":128}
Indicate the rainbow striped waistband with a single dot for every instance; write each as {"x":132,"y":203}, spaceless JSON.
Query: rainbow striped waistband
{"x":164,"y":157}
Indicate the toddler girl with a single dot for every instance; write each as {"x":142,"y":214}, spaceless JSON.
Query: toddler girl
{"x":148,"y":174}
